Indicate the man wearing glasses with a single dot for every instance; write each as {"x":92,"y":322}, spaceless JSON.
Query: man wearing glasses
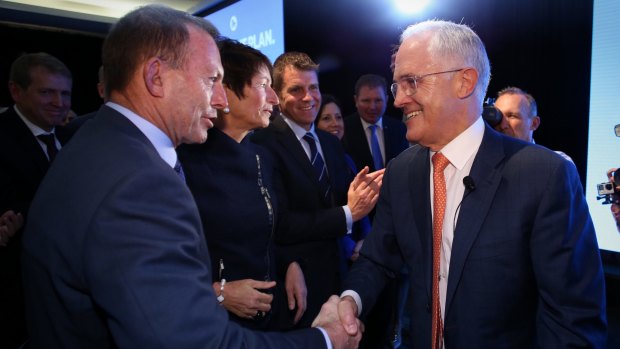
{"x":496,"y":232}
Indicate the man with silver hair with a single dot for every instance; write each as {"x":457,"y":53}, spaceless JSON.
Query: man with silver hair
{"x":499,"y":258}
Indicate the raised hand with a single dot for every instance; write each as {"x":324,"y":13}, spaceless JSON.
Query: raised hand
{"x":10,"y":223}
{"x":364,"y":192}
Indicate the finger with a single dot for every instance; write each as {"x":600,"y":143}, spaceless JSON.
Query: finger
{"x":348,"y":317}
{"x":301,"y":308}
{"x":262,"y":285}
{"x":264,"y":298}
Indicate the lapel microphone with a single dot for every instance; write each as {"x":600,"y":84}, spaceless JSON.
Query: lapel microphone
{"x":470,"y":186}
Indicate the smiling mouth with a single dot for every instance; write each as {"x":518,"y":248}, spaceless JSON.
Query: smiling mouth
{"x":412,"y":115}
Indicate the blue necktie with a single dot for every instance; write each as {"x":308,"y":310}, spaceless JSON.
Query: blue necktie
{"x":377,"y":158}
{"x":179,"y":170}
{"x":318,"y":164}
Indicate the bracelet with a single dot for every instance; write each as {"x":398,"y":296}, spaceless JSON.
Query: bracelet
{"x":220,"y":298}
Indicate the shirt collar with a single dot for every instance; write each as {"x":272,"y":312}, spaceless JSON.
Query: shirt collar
{"x":461,"y":148}
{"x":379,"y":123}
{"x":161,"y":142}
{"x":299,"y":131}
{"x":36,"y":130}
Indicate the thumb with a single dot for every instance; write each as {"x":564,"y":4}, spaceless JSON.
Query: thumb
{"x":348,"y":317}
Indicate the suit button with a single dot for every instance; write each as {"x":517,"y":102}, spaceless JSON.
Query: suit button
{"x":428,"y":308}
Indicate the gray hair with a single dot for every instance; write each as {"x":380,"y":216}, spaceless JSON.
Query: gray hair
{"x":531,"y":102}
{"x":459,"y":41}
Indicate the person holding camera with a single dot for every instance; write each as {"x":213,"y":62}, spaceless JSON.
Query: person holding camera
{"x":519,"y":115}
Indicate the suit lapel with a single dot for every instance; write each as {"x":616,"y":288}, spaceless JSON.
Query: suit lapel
{"x":486,"y":172}
{"x":419,"y":178}
{"x":28,"y":142}
{"x":361,"y":143}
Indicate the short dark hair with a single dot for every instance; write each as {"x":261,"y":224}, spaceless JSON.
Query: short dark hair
{"x":149,"y":31}
{"x":511,"y":90}
{"x":325,"y":100}
{"x":370,"y":81}
{"x":21,"y":67}
{"x":297,"y":60}
{"x":240,"y":63}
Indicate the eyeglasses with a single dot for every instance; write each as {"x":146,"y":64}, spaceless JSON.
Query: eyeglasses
{"x":409,"y":84}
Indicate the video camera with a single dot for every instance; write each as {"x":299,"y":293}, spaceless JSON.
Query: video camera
{"x":608,"y":191}
{"x":490,"y":114}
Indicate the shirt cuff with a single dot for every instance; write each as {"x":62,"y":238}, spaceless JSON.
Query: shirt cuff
{"x":347,"y":213}
{"x":356,"y":298}
{"x":327,"y":340}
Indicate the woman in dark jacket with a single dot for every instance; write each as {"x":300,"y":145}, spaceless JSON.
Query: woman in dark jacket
{"x":230,"y":178}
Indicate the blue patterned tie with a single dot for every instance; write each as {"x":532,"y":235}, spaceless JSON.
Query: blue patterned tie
{"x":377,"y":158}
{"x":318,"y":164}
{"x":179,"y":170}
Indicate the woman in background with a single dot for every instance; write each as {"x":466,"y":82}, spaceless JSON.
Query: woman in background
{"x":230,"y":178}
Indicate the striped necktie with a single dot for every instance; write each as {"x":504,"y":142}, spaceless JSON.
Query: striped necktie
{"x":318,"y":164}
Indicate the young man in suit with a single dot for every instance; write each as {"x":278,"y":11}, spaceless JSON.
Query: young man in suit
{"x":40,"y":86}
{"x":499,"y":258}
{"x":114,"y":254}
{"x":317,"y":205}
{"x":371,"y":138}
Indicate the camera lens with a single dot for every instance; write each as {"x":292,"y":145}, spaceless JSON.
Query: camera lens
{"x":608,"y":186}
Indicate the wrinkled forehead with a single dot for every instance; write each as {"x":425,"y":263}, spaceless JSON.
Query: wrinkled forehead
{"x":413,"y":57}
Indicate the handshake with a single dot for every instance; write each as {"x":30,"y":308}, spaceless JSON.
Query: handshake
{"x":338,"y":317}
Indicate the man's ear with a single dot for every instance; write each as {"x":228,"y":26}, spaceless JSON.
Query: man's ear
{"x":152,"y":74}
{"x":467,"y":82}
{"x":15,"y":90}
{"x":535,"y":123}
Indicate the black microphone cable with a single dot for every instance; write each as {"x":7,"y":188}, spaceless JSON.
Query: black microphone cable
{"x":470,"y":186}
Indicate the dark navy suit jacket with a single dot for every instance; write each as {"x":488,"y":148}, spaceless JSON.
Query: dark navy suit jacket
{"x":525,"y":270}
{"x":115,"y":257}
{"x":356,"y":145}
{"x":23,"y":164}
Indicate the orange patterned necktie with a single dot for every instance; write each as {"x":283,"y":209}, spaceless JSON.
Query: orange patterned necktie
{"x":439,"y":207}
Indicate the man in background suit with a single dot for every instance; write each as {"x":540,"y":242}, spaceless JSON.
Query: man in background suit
{"x":371,"y":101}
{"x":114,"y":254}
{"x":40,"y":86}
{"x":499,"y":258}
{"x":314,"y":211}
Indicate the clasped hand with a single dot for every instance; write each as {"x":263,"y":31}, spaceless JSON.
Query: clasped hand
{"x":338,"y":317}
